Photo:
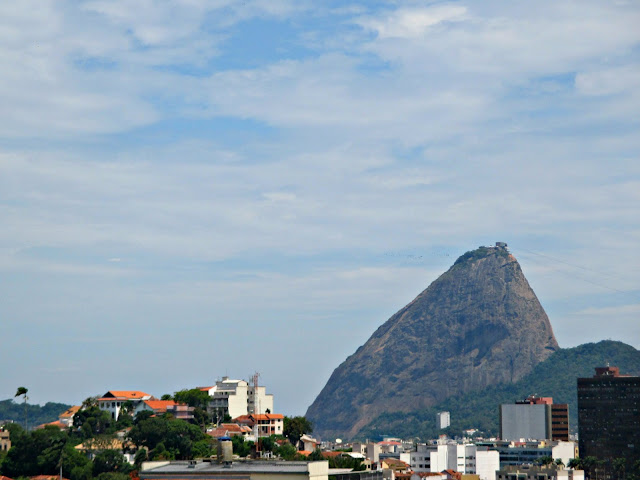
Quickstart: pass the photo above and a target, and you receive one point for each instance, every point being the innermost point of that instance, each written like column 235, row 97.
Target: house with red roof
column 114, row 400
column 66, row 417
column 230, row 430
column 267, row 424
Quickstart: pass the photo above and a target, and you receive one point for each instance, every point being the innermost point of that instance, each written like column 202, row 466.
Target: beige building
column 5, row 440
column 246, row 470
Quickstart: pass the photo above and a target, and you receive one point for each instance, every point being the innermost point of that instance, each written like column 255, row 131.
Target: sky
column 191, row 189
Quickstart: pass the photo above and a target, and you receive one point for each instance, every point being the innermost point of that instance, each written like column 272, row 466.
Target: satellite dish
column 338, row 440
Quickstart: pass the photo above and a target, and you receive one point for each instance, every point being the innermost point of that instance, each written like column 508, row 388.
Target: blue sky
column 191, row 189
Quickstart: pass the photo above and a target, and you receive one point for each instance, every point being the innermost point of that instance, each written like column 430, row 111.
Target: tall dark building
column 609, row 415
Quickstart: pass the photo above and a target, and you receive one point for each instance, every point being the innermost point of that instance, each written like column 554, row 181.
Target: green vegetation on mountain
column 555, row 377
column 36, row 414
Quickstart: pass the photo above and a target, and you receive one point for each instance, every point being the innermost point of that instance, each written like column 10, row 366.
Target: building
column 5, row 440
column 609, row 415
column 249, row 470
column 536, row 418
column 230, row 430
column 533, row 472
column 443, row 420
column 66, row 417
column 156, row 406
column 265, row 424
column 114, row 400
column 238, row 397
column 518, row 453
column 462, row 458
column 94, row 446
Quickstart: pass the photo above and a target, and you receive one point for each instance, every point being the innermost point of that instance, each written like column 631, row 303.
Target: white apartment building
column 237, row 398
column 443, row 420
column 463, row 458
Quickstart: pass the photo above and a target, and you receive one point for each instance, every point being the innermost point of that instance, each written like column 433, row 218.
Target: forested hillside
column 555, row 377
column 36, row 414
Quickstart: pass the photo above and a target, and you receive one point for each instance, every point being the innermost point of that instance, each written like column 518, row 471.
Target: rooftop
column 249, row 467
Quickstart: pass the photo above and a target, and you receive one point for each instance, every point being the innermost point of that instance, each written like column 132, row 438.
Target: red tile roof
column 124, row 394
column 268, row 416
column 331, row 454
column 70, row 412
column 47, row 477
column 57, row 423
column 159, row 406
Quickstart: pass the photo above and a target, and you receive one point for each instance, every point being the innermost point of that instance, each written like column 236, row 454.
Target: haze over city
column 193, row 189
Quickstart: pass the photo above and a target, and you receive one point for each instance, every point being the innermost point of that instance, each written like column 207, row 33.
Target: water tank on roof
column 225, row 450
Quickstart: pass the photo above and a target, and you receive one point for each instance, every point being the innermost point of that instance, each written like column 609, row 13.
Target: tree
column 240, row 447
column 193, row 397
column 619, row 467
column 165, row 437
column 545, row 460
column 287, row 451
column 575, row 463
column 316, row 455
column 23, row 391
column 110, row 461
column 295, row 427
column 93, row 421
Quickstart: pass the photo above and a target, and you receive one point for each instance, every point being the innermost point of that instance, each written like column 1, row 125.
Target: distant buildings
column 443, row 420
column 609, row 415
column 536, row 418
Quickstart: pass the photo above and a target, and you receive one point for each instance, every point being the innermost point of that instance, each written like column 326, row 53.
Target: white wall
column 487, row 462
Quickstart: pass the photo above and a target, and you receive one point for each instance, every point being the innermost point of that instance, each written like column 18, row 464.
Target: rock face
column 478, row 324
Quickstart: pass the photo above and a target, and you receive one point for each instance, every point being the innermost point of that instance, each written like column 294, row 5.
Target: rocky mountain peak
column 478, row 324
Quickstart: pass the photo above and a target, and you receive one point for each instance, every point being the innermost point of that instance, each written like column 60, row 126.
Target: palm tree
column 23, row 391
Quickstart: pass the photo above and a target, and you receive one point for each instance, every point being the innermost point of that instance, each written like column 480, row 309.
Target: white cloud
column 412, row 22
column 609, row 82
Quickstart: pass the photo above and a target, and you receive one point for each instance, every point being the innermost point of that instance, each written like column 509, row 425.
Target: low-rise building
column 66, row 417
column 534, row 472
column 518, row 453
column 114, row 400
column 5, row 440
column 462, row 458
column 249, row 470
column 230, row 430
column 264, row 425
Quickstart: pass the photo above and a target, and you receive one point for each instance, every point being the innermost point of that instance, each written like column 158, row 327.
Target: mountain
column 478, row 324
column 555, row 377
column 36, row 414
